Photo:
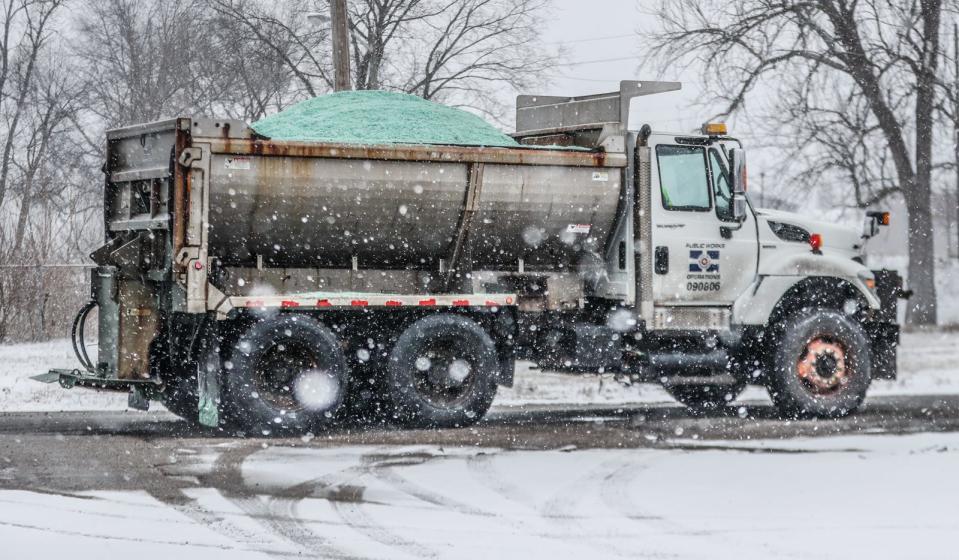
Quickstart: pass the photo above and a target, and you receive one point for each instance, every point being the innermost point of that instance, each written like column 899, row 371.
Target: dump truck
column 282, row 286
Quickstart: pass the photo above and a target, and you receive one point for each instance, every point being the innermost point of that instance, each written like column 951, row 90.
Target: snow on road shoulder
column 928, row 364
column 20, row 393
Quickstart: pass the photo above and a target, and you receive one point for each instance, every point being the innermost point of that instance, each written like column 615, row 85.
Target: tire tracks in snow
column 563, row 506
column 560, row 510
column 386, row 469
column 226, row 478
column 344, row 491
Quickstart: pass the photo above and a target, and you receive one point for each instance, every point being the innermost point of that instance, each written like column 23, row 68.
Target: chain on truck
column 273, row 285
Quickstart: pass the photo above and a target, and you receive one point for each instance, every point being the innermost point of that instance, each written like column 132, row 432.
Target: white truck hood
column 834, row 236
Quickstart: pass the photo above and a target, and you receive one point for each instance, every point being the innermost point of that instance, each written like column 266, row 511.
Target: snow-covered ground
column 858, row 496
column 928, row 364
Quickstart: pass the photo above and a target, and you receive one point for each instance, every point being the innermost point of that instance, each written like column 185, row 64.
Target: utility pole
column 341, row 45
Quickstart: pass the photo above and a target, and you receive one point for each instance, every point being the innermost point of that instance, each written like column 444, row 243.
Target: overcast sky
column 603, row 48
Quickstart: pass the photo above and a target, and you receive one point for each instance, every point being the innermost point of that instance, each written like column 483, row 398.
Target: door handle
column 661, row 260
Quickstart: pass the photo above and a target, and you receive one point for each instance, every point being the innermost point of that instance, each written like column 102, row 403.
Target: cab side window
column 682, row 178
column 721, row 190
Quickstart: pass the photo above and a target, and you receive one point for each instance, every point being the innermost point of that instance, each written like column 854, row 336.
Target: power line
column 575, row 79
column 592, row 39
column 597, row 61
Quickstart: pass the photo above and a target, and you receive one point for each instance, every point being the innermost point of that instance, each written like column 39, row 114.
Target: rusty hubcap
column 822, row 366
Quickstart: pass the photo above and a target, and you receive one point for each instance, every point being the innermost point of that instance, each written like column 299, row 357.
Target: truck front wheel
column 285, row 374
column 442, row 372
column 820, row 365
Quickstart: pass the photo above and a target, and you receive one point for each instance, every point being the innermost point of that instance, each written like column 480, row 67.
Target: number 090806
column 702, row 286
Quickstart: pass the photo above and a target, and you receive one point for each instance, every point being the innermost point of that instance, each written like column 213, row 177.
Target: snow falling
column 444, row 279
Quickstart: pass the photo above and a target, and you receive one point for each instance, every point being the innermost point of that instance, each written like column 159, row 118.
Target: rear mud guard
column 208, row 367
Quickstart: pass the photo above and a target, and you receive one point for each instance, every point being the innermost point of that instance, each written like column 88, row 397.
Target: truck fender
column 821, row 265
column 758, row 302
column 755, row 305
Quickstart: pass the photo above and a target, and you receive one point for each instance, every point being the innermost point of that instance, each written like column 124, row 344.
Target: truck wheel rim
column 277, row 370
column 441, row 375
column 822, row 366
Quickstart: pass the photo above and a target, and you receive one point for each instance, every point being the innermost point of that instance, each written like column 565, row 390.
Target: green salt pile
column 379, row 117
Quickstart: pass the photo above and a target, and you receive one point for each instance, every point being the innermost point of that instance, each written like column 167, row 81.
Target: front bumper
column 883, row 329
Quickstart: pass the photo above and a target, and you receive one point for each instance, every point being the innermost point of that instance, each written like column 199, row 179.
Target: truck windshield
column 682, row 178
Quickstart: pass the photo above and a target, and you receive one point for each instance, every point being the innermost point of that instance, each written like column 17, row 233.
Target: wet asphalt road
column 83, row 451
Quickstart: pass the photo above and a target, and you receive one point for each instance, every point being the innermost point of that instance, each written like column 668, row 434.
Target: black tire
column 705, row 398
column 820, row 365
column 442, row 373
column 284, row 374
column 180, row 397
column 179, row 392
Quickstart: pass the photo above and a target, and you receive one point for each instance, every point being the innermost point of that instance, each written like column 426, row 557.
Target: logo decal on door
column 703, row 261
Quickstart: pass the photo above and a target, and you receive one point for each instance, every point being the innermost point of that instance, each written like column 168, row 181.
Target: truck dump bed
column 299, row 204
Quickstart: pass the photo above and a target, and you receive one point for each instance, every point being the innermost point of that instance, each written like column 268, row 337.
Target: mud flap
column 208, row 382
column 209, row 392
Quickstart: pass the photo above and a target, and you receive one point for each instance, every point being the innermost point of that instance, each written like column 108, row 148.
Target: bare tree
column 256, row 80
column 145, row 60
column 881, row 49
column 949, row 107
column 287, row 35
column 54, row 103
column 836, row 142
column 456, row 51
column 26, row 29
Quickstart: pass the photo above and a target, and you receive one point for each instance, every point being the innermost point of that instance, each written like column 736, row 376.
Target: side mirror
column 869, row 227
column 739, row 206
column 737, row 162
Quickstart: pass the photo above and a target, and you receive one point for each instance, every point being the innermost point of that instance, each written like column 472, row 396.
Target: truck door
column 701, row 255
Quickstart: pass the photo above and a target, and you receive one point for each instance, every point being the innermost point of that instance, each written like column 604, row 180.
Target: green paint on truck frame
column 379, row 117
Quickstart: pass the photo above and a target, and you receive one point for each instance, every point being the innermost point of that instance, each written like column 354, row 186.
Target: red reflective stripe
column 359, row 303
column 431, row 301
column 254, row 303
column 393, row 303
column 323, row 303
column 289, row 303
column 491, row 304
column 461, row 302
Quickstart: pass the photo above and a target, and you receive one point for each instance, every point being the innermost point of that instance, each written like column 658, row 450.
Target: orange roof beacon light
column 715, row 129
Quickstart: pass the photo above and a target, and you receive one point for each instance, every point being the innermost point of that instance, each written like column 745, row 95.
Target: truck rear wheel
column 442, row 373
column 285, row 374
column 820, row 365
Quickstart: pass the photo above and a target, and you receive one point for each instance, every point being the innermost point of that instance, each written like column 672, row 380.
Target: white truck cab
column 708, row 254
column 792, row 288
